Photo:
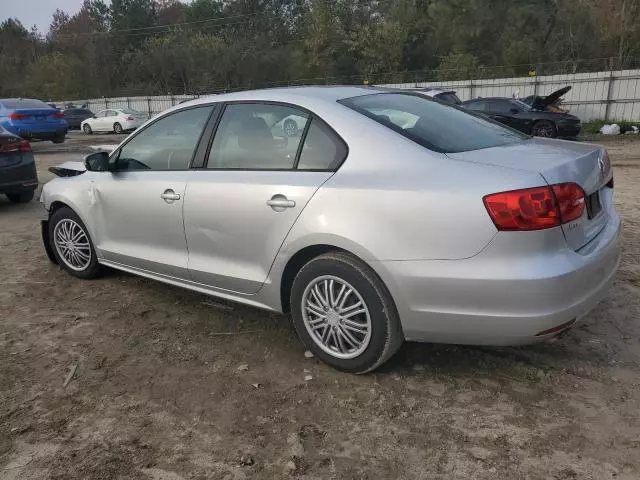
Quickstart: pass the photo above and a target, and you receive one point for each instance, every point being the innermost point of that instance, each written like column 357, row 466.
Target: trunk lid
column 31, row 115
column 557, row 162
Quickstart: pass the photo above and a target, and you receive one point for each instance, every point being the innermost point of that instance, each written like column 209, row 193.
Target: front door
column 139, row 204
column 257, row 181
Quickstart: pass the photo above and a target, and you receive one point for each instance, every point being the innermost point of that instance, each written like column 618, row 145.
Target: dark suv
column 18, row 178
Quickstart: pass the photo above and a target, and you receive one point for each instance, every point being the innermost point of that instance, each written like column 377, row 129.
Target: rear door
column 256, row 182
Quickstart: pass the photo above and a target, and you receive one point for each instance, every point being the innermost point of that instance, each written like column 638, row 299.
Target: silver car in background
column 391, row 217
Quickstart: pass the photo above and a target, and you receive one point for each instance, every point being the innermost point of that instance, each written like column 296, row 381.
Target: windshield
column 436, row 126
column 520, row 104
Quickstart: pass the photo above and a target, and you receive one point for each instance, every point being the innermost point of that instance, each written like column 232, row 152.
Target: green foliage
column 168, row 46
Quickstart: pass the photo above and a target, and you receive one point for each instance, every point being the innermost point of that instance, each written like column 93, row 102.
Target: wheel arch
column 308, row 252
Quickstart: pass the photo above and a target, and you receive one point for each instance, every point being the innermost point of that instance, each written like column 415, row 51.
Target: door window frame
column 303, row 136
column 115, row 155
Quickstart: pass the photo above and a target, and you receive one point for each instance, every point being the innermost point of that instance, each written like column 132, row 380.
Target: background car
column 33, row 119
column 443, row 227
column 116, row 120
column 520, row 116
column 440, row 93
column 18, row 178
column 75, row 116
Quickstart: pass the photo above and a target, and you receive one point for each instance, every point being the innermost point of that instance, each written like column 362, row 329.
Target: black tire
column 59, row 139
column 290, row 128
column 86, row 128
column 545, row 129
column 22, row 197
column 93, row 269
column 386, row 331
column 117, row 128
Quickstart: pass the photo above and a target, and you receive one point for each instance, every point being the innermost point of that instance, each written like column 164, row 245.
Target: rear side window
column 322, row 150
column 253, row 136
column 479, row 106
column 436, row 126
column 16, row 103
column 449, row 97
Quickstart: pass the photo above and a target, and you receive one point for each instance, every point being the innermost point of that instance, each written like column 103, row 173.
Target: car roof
column 488, row 98
column 331, row 93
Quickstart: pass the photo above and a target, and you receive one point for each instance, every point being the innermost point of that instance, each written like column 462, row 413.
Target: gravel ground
column 173, row 385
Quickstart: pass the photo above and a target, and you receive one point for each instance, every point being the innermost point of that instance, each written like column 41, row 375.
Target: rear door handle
column 280, row 203
column 170, row 196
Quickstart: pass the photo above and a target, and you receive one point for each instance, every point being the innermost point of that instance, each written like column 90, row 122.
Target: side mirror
column 514, row 110
column 93, row 116
column 97, row 162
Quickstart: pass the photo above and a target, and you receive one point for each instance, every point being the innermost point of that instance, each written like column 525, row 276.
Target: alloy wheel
column 336, row 317
column 72, row 244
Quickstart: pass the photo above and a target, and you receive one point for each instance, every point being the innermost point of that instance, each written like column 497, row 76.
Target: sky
column 37, row 12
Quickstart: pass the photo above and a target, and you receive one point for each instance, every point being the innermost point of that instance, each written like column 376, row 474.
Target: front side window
column 167, row 144
column 501, row 106
column 436, row 126
column 251, row 137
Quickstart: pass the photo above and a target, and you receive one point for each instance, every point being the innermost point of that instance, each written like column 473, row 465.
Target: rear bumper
column 500, row 297
column 19, row 178
column 29, row 133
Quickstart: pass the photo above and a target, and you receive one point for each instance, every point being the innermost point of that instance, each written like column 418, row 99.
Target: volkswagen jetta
column 391, row 217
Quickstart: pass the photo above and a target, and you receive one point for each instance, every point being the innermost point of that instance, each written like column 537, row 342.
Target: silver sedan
column 390, row 217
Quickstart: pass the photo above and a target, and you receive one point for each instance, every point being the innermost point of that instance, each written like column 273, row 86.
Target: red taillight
column 58, row 115
column 21, row 146
column 17, row 116
column 130, row 119
column 535, row 208
column 570, row 198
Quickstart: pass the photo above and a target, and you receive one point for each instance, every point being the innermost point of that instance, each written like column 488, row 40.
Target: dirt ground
column 159, row 392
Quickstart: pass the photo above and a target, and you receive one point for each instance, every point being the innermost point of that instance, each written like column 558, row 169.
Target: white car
column 116, row 120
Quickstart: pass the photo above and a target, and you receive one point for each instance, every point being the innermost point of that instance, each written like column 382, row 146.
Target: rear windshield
column 436, row 126
column 15, row 103
column 129, row 111
column 449, row 97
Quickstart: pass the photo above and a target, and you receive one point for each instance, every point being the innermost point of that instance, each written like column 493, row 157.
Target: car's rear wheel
column 117, row 128
column 72, row 245
column 290, row 128
column 59, row 139
column 22, row 197
column 544, row 128
column 86, row 128
column 344, row 314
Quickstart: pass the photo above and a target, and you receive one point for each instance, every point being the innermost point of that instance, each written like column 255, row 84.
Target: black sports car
column 18, row 179
column 522, row 116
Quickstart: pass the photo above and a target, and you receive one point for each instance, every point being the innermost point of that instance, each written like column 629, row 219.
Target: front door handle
column 280, row 203
column 170, row 196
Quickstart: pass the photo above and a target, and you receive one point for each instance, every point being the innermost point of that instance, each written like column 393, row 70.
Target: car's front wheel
column 86, row 128
column 544, row 128
column 344, row 314
column 72, row 245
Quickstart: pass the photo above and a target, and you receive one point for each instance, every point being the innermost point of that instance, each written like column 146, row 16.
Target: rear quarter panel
column 395, row 200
